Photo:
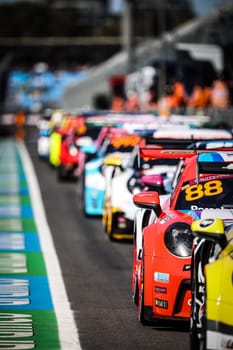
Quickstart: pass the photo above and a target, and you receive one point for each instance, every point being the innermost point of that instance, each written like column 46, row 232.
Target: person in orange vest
column 118, row 103
column 220, row 94
column 166, row 103
column 19, row 118
column 180, row 96
column 197, row 98
column 207, row 95
column 117, row 83
column 132, row 102
column 19, row 122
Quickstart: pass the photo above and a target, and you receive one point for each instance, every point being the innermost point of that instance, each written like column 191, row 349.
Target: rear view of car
column 161, row 275
column 95, row 171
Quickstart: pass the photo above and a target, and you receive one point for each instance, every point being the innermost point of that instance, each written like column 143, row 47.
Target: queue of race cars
column 167, row 185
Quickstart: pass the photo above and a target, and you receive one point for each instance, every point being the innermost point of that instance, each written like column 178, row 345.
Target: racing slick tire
column 141, row 317
column 197, row 336
column 142, row 312
column 82, row 195
column 61, row 173
column 110, row 227
column 135, row 295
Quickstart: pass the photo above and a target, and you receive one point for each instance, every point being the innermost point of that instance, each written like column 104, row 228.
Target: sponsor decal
column 161, row 277
column 161, row 290
column 163, row 304
column 195, row 207
column 197, row 191
column 167, row 218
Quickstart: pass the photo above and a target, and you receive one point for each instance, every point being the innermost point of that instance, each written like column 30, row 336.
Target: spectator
column 132, row 102
column 197, row 98
column 180, row 96
column 118, row 103
column 207, row 96
column 152, row 97
column 19, row 122
column 219, row 94
column 166, row 102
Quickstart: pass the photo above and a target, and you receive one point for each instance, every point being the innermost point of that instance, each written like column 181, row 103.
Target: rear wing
column 192, row 133
column 218, row 161
column 154, row 151
column 189, row 143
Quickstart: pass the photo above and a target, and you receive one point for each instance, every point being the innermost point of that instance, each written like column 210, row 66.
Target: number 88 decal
column 210, row 188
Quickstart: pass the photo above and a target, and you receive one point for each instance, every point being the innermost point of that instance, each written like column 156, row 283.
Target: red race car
column 161, row 284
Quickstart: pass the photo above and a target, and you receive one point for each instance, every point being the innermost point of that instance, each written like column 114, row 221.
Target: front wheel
column 141, row 315
column 198, row 306
column 198, row 336
column 141, row 306
column 82, row 195
column 110, row 225
column 135, row 292
column 61, row 173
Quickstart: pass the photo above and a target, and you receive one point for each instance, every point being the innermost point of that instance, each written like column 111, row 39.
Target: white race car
column 119, row 209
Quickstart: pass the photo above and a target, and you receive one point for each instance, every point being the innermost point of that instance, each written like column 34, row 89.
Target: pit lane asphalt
column 96, row 272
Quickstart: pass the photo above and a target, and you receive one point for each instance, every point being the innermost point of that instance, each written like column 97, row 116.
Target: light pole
column 162, row 56
column 128, row 33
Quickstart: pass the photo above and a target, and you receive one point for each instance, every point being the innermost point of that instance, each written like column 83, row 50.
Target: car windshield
column 212, row 191
column 146, row 163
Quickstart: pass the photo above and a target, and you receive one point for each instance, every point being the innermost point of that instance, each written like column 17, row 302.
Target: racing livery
column 119, row 210
column 212, row 284
column 117, row 141
column 161, row 282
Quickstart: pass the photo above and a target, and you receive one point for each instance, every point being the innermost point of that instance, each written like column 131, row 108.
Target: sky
column 201, row 7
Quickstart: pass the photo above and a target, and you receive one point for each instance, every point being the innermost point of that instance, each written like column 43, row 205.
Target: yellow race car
column 212, row 284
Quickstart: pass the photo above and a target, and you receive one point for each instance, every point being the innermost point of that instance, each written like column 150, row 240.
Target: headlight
column 178, row 239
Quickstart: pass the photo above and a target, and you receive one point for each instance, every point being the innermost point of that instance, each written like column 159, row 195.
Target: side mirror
column 210, row 229
column 148, row 200
column 154, row 182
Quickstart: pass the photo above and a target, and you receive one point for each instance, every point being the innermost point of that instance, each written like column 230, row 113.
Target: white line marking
column 68, row 332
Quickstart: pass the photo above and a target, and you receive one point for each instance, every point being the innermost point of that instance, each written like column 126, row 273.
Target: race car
column 71, row 157
column 44, row 132
column 119, row 210
column 211, row 325
column 67, row 124
column 77, row 140
column 50, row 120
column 93, row 180
column 161, row 281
